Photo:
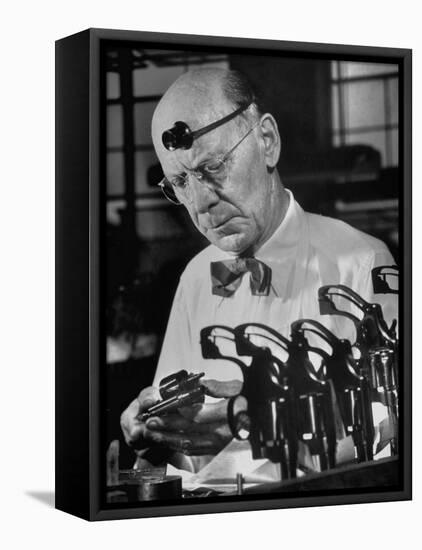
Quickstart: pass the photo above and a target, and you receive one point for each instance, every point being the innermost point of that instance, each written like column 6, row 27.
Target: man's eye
column 213, row 167
column 178, row 181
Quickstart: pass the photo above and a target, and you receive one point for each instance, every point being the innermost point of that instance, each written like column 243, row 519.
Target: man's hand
column 136, row 433
column 201, row 429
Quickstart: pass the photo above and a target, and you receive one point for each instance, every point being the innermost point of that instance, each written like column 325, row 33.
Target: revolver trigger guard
column 233, row 419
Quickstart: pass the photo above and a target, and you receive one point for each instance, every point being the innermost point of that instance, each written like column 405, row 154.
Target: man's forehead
column 197, row 98
column 195, row 108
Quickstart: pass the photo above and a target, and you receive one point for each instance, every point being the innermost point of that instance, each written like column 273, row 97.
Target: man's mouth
column 220, row 224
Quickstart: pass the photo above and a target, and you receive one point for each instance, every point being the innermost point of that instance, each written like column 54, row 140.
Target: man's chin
column 233, row 244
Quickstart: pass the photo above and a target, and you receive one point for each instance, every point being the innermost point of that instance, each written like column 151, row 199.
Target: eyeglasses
column 213, row 171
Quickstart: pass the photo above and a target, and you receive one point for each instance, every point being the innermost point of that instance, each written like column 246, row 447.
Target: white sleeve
column 176, row 350
column 176, row 355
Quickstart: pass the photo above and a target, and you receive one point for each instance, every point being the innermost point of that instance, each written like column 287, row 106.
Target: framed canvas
column 233, row 218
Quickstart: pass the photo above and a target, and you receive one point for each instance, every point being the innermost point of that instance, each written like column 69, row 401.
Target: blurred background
column 338, row 122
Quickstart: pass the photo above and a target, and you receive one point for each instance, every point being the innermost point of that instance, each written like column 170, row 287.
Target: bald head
column 198, row 98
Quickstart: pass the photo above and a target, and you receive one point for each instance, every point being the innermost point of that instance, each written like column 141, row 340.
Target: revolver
column 351, row 388
column 180, row 389
column 268, row 422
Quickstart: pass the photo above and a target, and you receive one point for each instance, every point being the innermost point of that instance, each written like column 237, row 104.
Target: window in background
column 365, row 107
column 135, row 82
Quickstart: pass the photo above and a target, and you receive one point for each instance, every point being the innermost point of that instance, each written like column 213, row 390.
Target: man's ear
column 272, row 141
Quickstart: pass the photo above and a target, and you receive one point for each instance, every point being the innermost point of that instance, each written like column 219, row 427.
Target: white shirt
column 304, row 253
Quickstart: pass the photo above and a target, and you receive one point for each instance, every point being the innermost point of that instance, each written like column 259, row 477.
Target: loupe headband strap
column 183, row 137
column 198, row 133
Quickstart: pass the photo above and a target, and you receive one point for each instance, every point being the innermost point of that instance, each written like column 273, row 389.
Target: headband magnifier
column 180, row 136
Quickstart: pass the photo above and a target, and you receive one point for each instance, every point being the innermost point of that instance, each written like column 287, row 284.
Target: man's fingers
column 132, row 428
column 215, row 388
column 213, row 412
column 173, row 441
column 198, row 429
column 177, row 423
column 148, row 397
column 170, row 422
column 207, row 412
column 191, row 443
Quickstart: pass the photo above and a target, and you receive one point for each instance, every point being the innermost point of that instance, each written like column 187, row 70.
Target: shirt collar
column 280, row 250
column 285, row 237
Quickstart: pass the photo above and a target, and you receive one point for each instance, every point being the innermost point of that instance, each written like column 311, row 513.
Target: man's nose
column 202, row 194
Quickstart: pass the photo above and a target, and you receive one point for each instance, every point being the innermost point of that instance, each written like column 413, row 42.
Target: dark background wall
column 297, row 93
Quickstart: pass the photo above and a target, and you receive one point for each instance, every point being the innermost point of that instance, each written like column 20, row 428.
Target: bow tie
column 227, row 275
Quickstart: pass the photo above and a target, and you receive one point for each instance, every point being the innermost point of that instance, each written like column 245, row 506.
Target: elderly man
column 219, row 151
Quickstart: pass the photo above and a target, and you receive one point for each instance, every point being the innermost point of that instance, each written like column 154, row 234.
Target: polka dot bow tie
column 227, row 275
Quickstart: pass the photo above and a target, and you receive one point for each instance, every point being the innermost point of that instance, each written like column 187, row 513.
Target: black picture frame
column 79, row 265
